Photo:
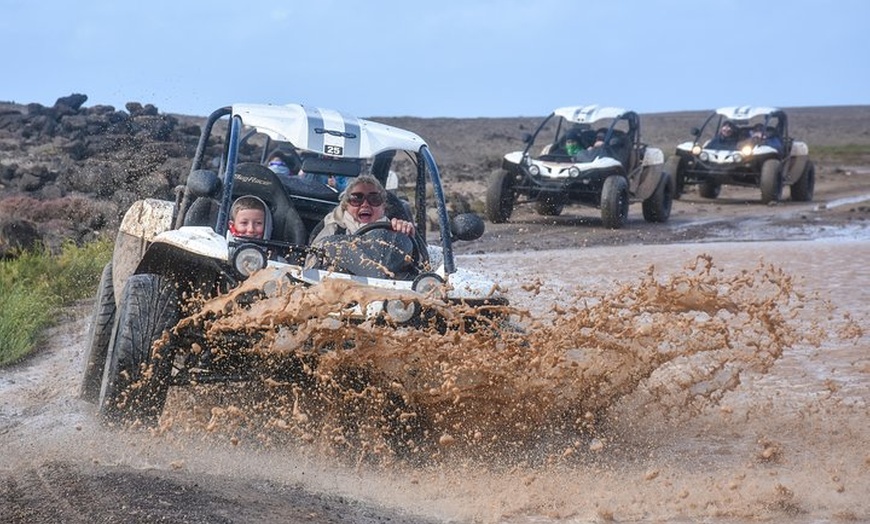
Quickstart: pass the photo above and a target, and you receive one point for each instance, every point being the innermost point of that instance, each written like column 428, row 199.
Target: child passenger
column 249, row 217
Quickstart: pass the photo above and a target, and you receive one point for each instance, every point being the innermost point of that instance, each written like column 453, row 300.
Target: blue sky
column 441, row 58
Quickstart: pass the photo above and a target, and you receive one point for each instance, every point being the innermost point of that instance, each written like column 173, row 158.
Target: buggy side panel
column 143, row 221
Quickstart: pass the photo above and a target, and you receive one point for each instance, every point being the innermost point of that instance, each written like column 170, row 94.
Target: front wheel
column 802, row 190
column 657, row 208
column 99, row 336
column 614, row 202
column 500, row 197
column 135, row 381
column 771, row 181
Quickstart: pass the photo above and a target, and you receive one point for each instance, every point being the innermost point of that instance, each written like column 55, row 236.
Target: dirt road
column 60, row 465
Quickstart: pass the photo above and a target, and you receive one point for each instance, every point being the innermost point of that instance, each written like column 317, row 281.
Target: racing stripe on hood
column 742, row 111
column 333, row 133
column 315, row 121
column 352, row 130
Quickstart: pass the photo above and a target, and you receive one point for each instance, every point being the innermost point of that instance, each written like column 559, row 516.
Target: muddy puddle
column 723, row 382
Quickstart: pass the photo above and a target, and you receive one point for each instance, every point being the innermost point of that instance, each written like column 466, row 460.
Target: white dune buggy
column 590, row 155
column 759, row 153
column 171, row 256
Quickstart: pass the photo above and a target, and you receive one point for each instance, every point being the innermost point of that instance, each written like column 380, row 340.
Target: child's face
column 249, row 223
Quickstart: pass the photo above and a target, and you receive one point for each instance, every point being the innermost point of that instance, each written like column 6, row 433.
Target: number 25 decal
column 333, row 150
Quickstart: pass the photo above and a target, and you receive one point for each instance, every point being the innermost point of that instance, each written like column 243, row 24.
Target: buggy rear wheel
column 709, row 189
column 802, row 190
column 771, row 181
column 657, row 208
column 500, row 197
column 614, row 202
column 550, row 205
column 673, row 168
column 135, row 382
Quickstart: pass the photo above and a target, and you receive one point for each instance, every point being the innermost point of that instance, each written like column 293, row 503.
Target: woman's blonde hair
column 362, row 179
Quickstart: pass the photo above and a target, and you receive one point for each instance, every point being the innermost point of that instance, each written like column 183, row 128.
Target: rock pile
column 68, row 172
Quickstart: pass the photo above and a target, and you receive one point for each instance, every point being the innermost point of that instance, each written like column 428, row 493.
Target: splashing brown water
column 534, row 395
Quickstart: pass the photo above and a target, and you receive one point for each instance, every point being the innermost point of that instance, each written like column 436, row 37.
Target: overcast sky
column 462, row 58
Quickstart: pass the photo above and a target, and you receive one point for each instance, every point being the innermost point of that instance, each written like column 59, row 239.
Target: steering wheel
column 372, row 226
column 421, row 253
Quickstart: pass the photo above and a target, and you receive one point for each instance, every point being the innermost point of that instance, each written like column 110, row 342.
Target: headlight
column 430, row 285
column 696, row 150
column 746, row 150
column 400, row 312
column 573, row 171
column 247, row 259
column 534, row 170
column 704, row 156
column 737, row 158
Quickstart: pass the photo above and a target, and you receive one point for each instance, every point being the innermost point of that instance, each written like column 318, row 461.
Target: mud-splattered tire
column 135, row 383
column 672, row 167
column 500, row 197
column 99, row 336
column 771, row 181
column 802, row 190
column 657, row 208
column 709, row 189
column 614, row 202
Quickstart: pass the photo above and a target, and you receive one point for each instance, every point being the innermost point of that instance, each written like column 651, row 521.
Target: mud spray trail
column 668, row 383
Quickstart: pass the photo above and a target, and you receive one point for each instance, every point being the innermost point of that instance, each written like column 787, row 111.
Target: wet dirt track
column 788, row 444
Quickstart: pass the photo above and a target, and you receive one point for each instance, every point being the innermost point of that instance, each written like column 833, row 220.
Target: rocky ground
column 68, row 172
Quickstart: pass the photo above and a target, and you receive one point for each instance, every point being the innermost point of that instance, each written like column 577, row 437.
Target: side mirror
column 527, row 138
column 467, row 226
column 203, row 183
column 695, row 132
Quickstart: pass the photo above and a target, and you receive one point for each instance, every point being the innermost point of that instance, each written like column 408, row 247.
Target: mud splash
column 539, row 394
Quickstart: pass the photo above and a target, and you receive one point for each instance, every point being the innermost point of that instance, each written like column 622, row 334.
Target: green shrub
column 35, row 286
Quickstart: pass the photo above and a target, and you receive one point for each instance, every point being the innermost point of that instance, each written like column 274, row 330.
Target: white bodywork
column 588, row 114
column 147, row 218
column 203, row 241
column 745, row 112
column 326, row 130
column 729, row 156
column 653, row 157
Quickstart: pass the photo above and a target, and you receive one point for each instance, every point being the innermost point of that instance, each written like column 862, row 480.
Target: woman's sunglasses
column 357, row 199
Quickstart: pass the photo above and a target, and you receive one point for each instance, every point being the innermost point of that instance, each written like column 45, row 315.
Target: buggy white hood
column 325, row 130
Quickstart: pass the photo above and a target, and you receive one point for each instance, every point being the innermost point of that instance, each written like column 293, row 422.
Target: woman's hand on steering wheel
column 395, row 224
column 403, row 226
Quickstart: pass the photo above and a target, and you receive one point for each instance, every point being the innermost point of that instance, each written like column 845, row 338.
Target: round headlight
column 704, row 156
column 247, row 259
column 746, row 150
column 737, row 157
column 573, row 171
column 400, row 311
column 696, row 150
column 429, row 284
column 534, row 170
